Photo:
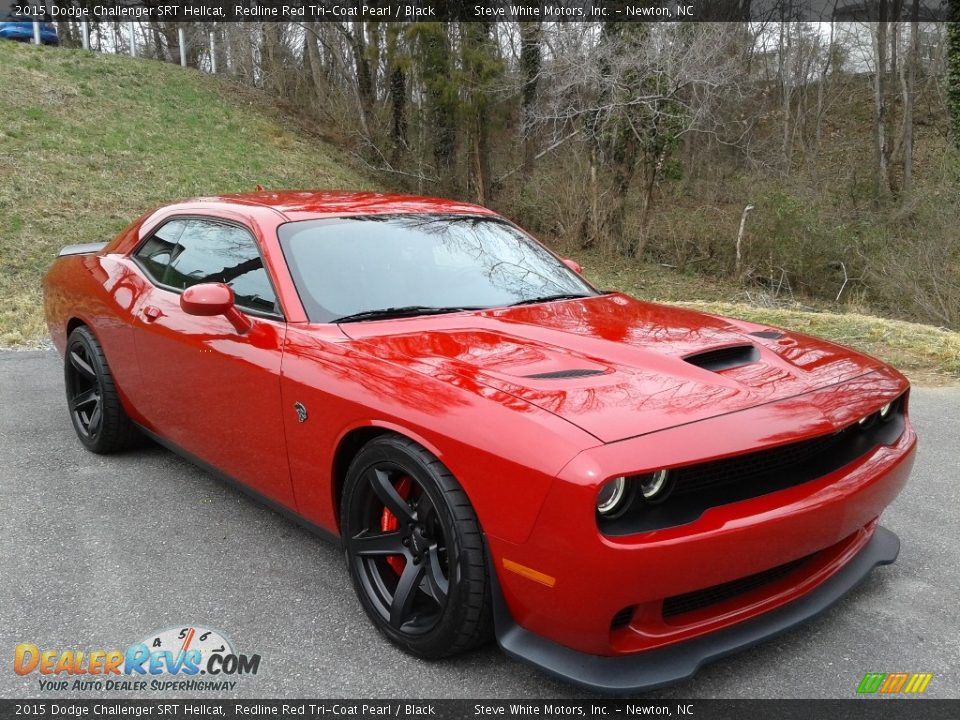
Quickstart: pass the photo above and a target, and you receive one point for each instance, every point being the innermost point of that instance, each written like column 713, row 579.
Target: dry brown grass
column 927, row 354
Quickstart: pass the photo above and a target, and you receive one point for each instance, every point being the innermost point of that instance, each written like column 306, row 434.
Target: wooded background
column 797, row 160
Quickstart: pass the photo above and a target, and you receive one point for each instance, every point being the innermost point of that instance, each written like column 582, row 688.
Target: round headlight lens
column 886, row 412
column 611, row 496
column 655, row 486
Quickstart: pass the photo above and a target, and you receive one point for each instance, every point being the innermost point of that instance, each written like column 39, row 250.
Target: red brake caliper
column 389, row 523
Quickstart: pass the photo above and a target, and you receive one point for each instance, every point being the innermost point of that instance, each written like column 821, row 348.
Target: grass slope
column 88, row 142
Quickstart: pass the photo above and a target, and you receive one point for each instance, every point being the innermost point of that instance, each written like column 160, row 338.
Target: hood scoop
column 563, row 374
column 724, row 358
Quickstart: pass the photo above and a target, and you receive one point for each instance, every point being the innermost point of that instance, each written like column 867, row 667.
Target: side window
column 218, row 252
column 156, row 252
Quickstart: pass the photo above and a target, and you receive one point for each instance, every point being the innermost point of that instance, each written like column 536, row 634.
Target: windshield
column 354, row 265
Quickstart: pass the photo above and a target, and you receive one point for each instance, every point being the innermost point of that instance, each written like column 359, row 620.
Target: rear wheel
column 415, row 551
column 98, row 417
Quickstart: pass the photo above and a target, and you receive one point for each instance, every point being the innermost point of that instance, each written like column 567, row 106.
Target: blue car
column 23, row 31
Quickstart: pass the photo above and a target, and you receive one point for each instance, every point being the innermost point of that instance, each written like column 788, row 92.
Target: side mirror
column 209, row 299
column 573, row 265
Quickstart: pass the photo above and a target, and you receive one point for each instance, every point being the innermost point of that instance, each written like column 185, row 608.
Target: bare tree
column 909, row 100
column 881, row 109
column 633, row 93
column 786, row 89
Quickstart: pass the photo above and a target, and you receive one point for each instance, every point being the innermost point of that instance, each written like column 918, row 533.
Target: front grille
column 753, row 467
column 696, row 488
column 699, row 599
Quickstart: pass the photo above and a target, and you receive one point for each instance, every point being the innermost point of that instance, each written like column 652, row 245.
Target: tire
column 98, row 417
column 415, row 550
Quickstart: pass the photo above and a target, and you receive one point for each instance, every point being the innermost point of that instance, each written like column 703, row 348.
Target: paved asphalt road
column 98, row 552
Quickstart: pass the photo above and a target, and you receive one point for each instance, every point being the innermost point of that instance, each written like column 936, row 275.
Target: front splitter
column 630, row 674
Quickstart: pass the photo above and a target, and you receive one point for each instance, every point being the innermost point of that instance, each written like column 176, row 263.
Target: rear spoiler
column 84, row 249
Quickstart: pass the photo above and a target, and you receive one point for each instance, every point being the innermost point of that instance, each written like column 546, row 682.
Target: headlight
column 656, row 486
column 886, row 412
column 611, row 496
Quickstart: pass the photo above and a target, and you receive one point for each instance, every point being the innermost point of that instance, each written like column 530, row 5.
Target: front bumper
column 656, row 668
column 579, row 603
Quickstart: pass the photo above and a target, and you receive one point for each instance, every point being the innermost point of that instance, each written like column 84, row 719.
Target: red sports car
column 620, row 491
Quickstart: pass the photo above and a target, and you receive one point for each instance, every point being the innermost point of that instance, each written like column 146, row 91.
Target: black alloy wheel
column 84, row 393
column 414, row 549
column 98, row 417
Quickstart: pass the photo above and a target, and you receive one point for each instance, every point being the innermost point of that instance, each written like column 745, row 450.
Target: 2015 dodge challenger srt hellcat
column 619, row 491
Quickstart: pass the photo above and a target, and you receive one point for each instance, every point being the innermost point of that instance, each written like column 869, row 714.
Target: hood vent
column 768, row 334
column 724, row 358
column 562, row 374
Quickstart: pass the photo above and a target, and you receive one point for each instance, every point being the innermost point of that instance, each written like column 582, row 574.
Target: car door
column 208, row 388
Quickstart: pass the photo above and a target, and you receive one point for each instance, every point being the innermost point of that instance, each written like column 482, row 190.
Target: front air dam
column 629, row 674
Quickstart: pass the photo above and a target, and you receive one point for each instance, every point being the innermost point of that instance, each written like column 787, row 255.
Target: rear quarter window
column 191, row 251
column 155, row 254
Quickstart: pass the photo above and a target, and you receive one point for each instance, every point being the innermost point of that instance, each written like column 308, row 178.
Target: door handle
column 151, row 313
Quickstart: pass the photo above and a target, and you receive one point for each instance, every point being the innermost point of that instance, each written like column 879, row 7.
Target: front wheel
column 414, row 549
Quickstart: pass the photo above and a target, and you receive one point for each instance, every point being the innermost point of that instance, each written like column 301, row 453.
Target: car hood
column 614, row 366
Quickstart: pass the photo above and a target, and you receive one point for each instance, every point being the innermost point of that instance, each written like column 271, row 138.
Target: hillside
column 926, row 354
column 88, row 142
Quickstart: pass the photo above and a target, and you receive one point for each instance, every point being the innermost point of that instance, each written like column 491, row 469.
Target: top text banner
column 470, row 11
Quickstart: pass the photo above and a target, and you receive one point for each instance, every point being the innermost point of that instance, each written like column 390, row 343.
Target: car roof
column 314, row 204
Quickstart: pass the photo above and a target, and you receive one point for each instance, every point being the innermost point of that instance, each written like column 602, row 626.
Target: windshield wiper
column 550, row 298
column 400, row 312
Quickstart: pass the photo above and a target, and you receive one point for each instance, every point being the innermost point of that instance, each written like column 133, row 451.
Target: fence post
column 133, row 39
column 182, row 39
column 85, row 35
column 36, row 32
column 213, row 55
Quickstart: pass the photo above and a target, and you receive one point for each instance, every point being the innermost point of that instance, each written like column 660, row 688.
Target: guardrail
column 198, row 47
